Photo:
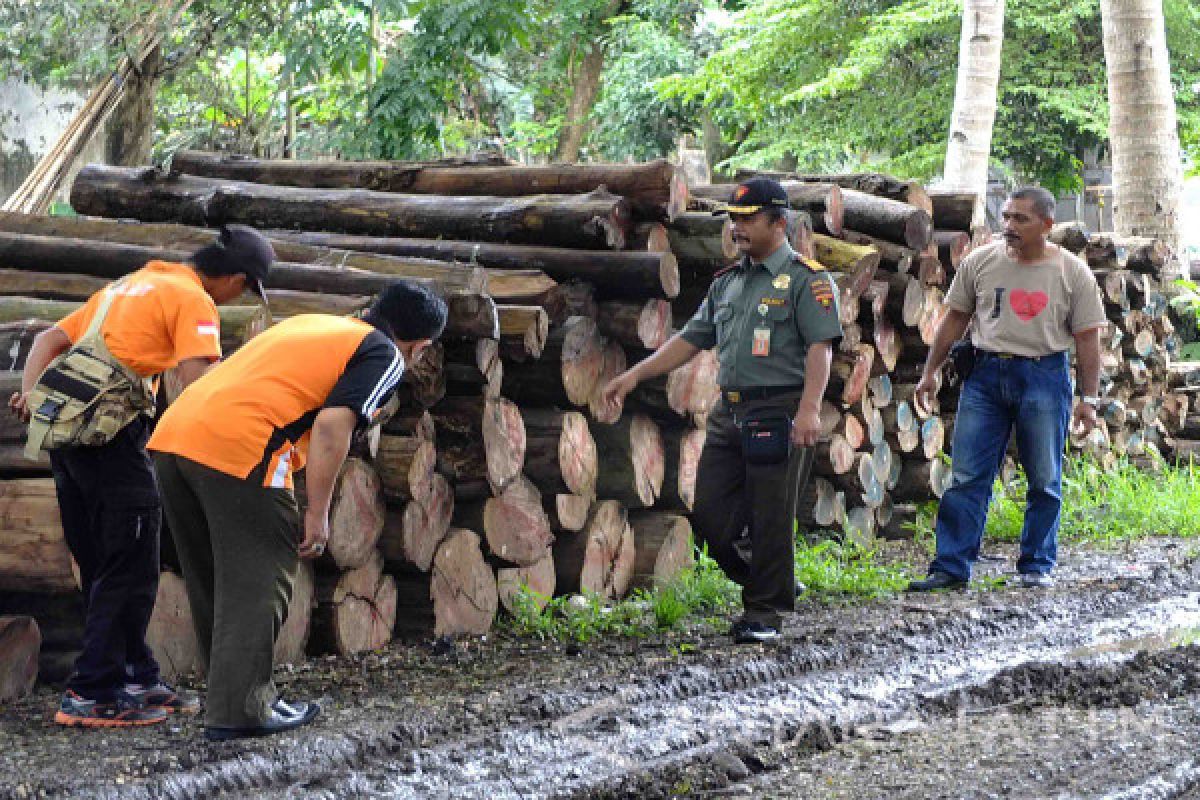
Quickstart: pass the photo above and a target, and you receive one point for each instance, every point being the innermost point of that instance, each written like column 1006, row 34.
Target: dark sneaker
column 937, row 580
column 79, row 712
column 277, row 722
column 160, row 695
column 747, row 631
column 1036, row 580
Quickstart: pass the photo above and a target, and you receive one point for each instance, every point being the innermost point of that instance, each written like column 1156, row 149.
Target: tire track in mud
column 613, row 736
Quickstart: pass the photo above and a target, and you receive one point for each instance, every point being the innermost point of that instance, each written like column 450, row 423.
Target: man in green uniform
column 773, row 317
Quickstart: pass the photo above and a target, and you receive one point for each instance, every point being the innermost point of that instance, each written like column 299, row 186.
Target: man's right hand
column 617, row 388
column 926, row 389
column 316, row 535
column 19, row 404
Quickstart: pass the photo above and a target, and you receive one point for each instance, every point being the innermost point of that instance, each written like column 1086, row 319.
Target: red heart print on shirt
column 1027, row 305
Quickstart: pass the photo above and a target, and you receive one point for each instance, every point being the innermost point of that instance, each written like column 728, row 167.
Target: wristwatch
column 1091, row 400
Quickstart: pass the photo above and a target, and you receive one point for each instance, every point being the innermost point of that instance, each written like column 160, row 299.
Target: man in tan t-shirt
column 1030, row 301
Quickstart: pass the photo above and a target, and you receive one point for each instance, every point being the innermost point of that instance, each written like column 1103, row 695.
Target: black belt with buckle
column 1015, row 357
column 760, row 393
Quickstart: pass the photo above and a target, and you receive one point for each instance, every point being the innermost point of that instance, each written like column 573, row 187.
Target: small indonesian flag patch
column 207, row 329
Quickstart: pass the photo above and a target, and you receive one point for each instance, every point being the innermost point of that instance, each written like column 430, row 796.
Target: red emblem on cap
column 740, row 192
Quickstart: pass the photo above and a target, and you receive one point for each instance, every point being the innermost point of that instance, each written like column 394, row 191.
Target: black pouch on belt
column 766, row 436
column 962, row 356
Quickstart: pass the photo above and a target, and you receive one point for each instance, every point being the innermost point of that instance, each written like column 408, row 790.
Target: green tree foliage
column 870, row 83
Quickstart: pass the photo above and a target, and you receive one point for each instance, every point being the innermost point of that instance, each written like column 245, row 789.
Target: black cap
column 238, row 249
column 755, row 195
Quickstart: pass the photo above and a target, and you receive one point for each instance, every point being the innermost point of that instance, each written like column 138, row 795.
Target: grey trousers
column 237, row 543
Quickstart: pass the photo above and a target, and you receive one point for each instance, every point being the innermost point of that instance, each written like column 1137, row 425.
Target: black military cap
column 755, row 195
column 238, row 249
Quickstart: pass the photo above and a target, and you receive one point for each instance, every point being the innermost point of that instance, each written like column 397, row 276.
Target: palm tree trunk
column 1147, row 165
column 969, row 150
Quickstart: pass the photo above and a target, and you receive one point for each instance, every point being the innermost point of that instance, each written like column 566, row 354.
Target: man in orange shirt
column 225, row 452
column 163, row 316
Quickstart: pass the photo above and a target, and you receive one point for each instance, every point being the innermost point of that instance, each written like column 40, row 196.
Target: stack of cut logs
column 498, row 468
column 1143, row 412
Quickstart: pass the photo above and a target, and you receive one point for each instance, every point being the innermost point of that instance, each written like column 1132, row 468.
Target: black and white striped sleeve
column 370, row 377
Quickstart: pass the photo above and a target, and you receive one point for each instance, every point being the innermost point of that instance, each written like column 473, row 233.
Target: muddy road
column 1089, row 689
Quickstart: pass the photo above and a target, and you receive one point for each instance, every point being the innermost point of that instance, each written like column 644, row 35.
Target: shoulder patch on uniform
column 812, row 263
column 822, row 291
column 726, row 270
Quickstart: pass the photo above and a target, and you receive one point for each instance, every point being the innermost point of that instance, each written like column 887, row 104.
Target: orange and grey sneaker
column 162, row 696
column 79, row 712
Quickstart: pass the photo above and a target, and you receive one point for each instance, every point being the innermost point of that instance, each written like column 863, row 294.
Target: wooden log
column 631, row 274
column 634, row 464
column 355, row 611
column 681, row 451
column 355, row 515
column 833, row 457
column 568, row 370
column 473, row 367
column 861, row 481
column 1139, row 254
column 599, row 559
column 920, row 478
column 640, row 325
column 569, row 300
column 952, row 247
column 495, row 425
column 20, row 643
column 16, row 338
column 887, row 219
column 560, row 452
column 842, row 256
column 822, row 201
column 425, row 523
column 849, row 374
column 523, row 331
column 955, row 210
column 1069, row 235
column 892, row 257
column 406, row 465
column 568, row 512
column 656, row 188
column 171, row 634
column 702, row 243
column 692, row 389
column 513, row 523
column 613, row 365
column 874, row 183
column 112, row 260
column 292, row 642
column 533, row 584
column 860, row 524
column 819, row 506
column 663, row 547
column 33, row 552
column 463, row 586
column 596, row 220
column 933, row 435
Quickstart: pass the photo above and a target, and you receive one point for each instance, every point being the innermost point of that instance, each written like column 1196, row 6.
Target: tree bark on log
column 473, row 367
column 560, row 452
column 841, row 256
column 873, row 183
column 523, row 331
column 887, row 219
column 918, row 479
column 634, row 464
column 514, row 523
column 595, row 221
column 1070, row 235
column 663, row 547
column 568, row 370
column 655, row 188
column 636, row 324
column 823, row 201
column 629, row 274
column 952, row 247
column 406, row 466
column 681, row 451
column 20, row 644
column 892, row 257
column 355, row 612
column 702, row 243
column 533, row 584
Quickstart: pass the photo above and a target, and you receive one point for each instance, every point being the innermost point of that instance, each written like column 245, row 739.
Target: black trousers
column 733, row 496
column 111, row 516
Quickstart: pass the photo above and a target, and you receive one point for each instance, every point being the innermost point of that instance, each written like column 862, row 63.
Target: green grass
column 837, row 569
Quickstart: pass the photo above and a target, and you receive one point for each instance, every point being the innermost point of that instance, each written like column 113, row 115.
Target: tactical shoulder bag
column 85, row 396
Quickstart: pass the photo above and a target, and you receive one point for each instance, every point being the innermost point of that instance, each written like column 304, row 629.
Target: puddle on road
column 1179, row 627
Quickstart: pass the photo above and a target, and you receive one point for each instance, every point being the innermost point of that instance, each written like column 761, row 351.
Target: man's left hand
column 1083, row 419
column 806, row 427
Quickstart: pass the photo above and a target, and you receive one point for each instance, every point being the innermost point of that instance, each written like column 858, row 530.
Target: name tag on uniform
column 762, row 342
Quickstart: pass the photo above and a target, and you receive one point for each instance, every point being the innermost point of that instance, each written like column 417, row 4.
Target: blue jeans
column 1033, row 398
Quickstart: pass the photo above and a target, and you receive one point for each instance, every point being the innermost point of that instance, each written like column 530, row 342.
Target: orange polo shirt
column 161, row 316
column 251, row 416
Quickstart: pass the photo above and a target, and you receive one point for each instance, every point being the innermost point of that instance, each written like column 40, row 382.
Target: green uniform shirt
column 782, row 303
